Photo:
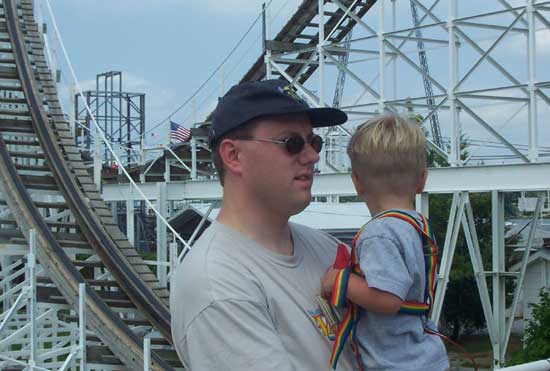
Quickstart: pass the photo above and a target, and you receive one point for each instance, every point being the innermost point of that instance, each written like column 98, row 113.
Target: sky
column 168, row 48
column 165, row 48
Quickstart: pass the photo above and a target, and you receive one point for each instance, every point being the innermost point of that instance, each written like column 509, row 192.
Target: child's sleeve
column 382, row 261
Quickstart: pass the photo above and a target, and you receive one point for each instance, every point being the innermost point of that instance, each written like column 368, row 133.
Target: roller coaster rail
column 58, row 168
column 48, row 189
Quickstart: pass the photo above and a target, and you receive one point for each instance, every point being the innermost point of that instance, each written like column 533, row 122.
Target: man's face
column 275, row 178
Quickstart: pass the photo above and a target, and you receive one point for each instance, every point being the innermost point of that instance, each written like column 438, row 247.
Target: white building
column 341, row 220
column 537, row 276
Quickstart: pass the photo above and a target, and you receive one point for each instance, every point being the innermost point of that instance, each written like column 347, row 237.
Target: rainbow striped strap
column 413, row 307
column 356, row 268
column 345, row 330
column 430, row 251
column 347, row 326
column 339, row 288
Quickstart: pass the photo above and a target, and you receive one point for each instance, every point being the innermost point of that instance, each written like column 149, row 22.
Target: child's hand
column 327, row 282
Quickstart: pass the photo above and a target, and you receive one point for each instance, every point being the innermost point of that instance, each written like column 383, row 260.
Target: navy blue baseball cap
column 250, row 100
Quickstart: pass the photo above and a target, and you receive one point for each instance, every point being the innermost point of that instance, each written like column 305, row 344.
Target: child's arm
column 360, row 293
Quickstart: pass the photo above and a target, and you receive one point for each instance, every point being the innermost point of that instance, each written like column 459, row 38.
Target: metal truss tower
column 434, row 119
column 121, row 115
column 471, row 73
column 335, row 141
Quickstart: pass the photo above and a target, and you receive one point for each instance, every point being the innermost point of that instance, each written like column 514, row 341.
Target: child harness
column 347, row 264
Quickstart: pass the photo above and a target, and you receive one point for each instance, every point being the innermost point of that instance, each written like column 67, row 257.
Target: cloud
column 277, row 11
column 216, row 7
column 230, row 6
column 543, row 42
column 518, row 43
column 110, row 6
column 510, row 121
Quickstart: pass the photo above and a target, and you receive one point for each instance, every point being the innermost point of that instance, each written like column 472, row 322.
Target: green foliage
column 537, row 333
column 510, row 205
column 344, row 199
column 462, row 307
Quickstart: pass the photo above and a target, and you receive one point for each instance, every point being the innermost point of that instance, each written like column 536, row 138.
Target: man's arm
column 359, row 292
column 233, row 335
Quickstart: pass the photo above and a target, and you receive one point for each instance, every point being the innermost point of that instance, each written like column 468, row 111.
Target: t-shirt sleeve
column 233, row 335
column 384, row 266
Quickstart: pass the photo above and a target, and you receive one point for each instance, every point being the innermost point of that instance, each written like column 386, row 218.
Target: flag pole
column 165, row 153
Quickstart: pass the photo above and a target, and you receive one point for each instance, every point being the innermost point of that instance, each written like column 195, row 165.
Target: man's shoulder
column 194, row 263
column 191, row 276
column 210, row 274
column 214, row 269
column 211, row 253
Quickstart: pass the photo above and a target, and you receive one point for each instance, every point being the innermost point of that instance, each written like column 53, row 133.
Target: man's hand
column 327, row 282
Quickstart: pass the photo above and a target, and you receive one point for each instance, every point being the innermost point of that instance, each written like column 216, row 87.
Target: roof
column 522, row 227
column 336, row 218
column 542, row 254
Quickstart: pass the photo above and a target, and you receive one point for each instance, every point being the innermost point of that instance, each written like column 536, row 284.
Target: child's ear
column 357, row 184
column 422, row 181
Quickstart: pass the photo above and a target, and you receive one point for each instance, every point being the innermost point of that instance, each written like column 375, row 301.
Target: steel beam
column 162, row 253
column 506, row 178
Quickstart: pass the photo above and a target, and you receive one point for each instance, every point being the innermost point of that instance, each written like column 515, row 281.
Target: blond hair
column 388, row 154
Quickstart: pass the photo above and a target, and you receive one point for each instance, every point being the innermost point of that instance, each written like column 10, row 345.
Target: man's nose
column 309, row 154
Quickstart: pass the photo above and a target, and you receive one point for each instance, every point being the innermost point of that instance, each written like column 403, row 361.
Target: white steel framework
column 32, row 335
column 478, row 73
column 459, row 181
column 471, row 71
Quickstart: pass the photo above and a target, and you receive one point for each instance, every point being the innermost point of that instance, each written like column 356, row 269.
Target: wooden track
column 47, row 188
column 41, row 157
column 301, row 33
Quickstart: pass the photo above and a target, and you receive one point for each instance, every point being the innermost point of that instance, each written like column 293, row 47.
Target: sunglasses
column 295, row 143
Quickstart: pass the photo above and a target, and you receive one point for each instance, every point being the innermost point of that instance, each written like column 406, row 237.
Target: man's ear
column 422, row 181
column 357, row 184
column 229, row 154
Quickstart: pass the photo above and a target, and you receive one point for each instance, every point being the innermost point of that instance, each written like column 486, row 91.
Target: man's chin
column 300, row 206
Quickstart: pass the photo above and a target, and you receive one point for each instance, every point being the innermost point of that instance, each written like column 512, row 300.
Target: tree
column 537, row 332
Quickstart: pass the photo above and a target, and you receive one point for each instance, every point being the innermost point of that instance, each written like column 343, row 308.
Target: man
column 245, row 297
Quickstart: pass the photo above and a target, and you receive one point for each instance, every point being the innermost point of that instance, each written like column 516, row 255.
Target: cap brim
column 326, row 116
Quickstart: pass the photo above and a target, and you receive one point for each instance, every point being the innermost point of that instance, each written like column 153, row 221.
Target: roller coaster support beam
column 542, row 365
column 506, row 178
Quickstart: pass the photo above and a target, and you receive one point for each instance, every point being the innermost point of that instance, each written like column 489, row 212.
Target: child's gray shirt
column 391, row 257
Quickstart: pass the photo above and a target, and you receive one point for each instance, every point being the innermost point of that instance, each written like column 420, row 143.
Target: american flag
column 179, row 133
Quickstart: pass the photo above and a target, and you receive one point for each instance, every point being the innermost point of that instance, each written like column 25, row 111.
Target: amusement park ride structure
column 314, row 47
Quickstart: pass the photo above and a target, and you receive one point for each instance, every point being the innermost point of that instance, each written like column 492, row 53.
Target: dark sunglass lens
column 295, row 144
column 317, row 143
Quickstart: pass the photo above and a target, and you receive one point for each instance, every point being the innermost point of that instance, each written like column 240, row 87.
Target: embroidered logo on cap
column 291, row 92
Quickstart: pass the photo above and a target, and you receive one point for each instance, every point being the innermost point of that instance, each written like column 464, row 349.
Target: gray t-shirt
column 391, row 257
column 238, row 306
